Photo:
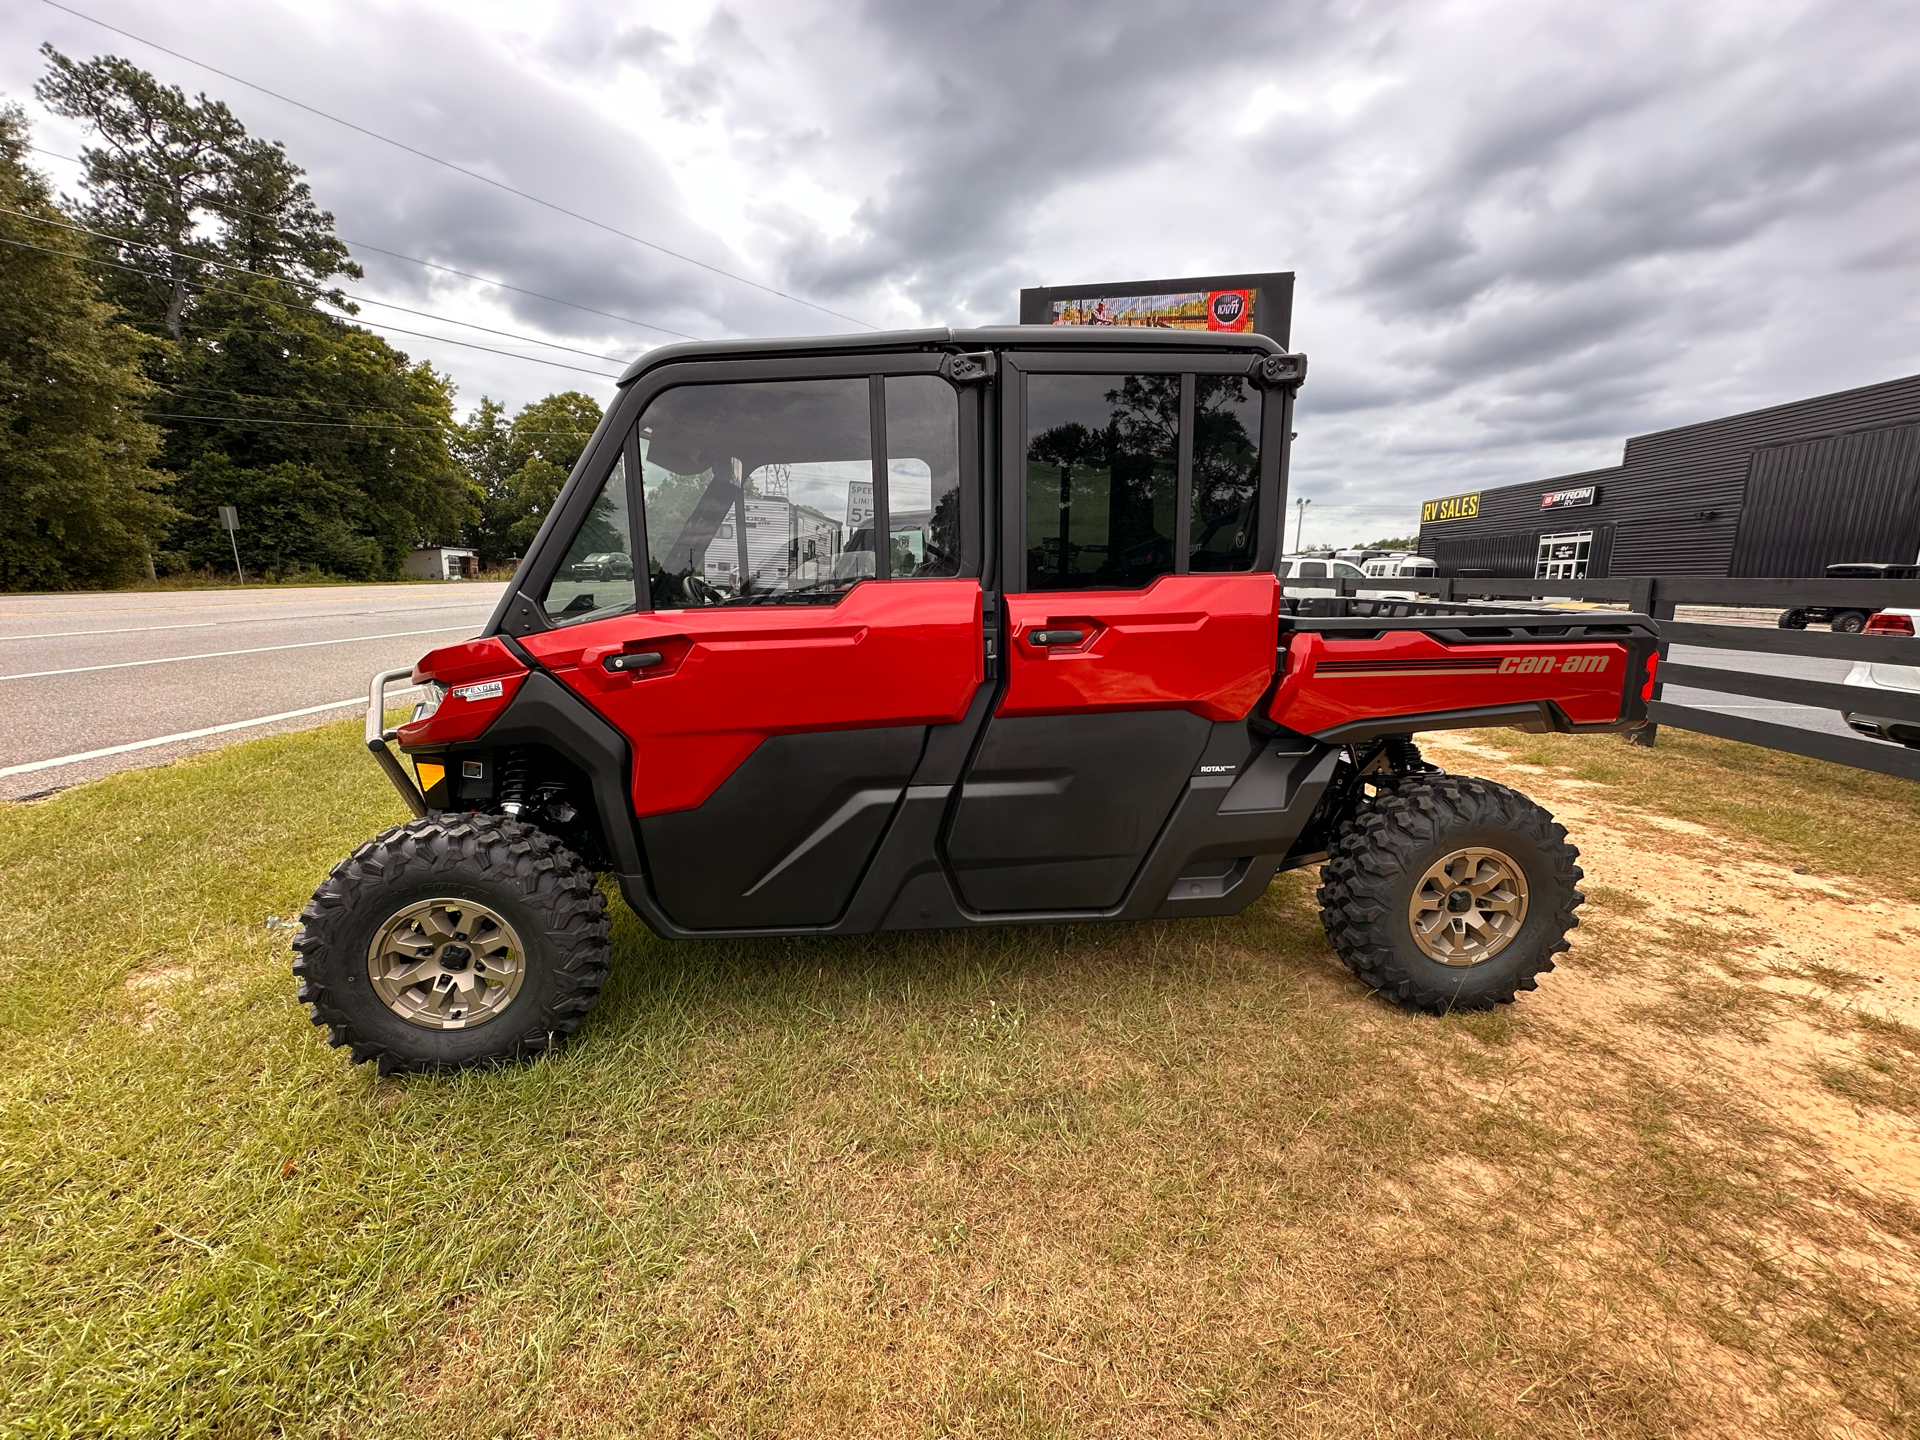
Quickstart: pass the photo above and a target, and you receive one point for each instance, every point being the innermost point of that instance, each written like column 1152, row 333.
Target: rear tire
column 1482, row 869
column 1793, row 620
column 508, row 929
column 1848, row 622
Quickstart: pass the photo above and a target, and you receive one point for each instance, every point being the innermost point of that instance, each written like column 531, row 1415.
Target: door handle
column 617, row 664
column 1056, row 637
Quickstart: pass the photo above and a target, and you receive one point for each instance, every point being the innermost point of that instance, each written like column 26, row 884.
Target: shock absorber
column 1404, row 756
column 513, row 782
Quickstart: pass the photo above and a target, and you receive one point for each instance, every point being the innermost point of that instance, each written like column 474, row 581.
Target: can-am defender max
column 941, row 628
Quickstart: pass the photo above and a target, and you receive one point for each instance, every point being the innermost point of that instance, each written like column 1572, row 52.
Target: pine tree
column 183, row 190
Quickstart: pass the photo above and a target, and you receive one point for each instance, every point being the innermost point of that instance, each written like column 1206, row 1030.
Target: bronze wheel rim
column 446, row 964
column 1468, row 906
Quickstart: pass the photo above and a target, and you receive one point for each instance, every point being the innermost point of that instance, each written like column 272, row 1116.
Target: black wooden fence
column 1658, row 596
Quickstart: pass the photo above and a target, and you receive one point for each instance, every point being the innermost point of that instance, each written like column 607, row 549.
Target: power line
column 284, row 405
column 255, row 274
column 342, row 424
column 370, row 324
column 435, row 265
column 312, row 424
column 461, row 169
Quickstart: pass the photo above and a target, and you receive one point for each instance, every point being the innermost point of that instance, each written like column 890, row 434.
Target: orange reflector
column 431, row 773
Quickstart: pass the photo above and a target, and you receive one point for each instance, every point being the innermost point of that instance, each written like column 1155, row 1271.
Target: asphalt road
column 84, row 673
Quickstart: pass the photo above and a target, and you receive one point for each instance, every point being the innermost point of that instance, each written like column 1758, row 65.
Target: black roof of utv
column 989, row 337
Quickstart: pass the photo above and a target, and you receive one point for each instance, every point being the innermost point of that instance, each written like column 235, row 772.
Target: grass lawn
column 1124, row 1180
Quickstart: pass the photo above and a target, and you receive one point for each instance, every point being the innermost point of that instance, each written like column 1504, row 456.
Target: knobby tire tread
column 547, row 877
column 1376, row 846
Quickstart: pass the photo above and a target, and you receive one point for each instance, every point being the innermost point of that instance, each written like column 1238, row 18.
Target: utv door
column 802, row 615
column 1136, row 550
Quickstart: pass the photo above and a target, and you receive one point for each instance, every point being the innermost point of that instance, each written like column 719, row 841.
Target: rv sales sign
column 1454, row 507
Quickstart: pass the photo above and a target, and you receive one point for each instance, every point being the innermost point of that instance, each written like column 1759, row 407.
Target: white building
column 442, row 562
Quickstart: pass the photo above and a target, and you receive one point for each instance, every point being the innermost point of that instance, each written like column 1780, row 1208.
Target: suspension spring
column 513, row 782
column 1403, row 755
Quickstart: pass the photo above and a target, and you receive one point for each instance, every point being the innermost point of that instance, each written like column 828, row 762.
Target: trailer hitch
column 378, row 736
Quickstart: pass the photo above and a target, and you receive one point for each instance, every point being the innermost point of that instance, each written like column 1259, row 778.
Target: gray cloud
column 1521, row 232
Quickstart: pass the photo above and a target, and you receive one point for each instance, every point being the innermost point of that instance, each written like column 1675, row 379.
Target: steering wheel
column 696, row 589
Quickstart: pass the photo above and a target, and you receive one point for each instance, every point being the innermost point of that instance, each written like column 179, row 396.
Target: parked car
column 1898, row 679
column 1308, row 577
column 1847, row 619
column 607, row 565
column 1396, row 567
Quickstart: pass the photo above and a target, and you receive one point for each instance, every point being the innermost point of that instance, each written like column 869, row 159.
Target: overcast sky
column 1522, row 231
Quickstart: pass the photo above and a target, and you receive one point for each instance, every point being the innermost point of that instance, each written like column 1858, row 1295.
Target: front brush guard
column 378, row 736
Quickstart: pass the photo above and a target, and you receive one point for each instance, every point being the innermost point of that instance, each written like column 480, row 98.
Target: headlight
column 433, row 692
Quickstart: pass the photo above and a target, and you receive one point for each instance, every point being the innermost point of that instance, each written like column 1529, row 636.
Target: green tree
column 184, row 190
column 333, row 445
column 1410, row 542
column 291, row 397
column 518, row 468
column 78, row 503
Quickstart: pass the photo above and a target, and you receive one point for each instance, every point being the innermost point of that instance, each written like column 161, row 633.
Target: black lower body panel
column 1058, row 810
column 786, row 837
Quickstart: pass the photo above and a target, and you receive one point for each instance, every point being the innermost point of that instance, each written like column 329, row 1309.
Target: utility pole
column 1299, row 521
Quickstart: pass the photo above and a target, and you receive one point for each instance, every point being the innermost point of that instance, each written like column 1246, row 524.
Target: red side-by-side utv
column 942, row 628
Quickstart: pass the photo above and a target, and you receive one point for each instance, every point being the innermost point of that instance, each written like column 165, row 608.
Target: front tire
column 453, row 941
column 1446, row 892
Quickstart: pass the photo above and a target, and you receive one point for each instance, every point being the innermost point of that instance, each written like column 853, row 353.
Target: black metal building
column 1783, row 491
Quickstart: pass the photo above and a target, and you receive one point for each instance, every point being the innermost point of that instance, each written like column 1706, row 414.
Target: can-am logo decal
column 1547, row 664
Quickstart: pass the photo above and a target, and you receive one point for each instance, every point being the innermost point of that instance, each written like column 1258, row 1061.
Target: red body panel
column 1203, row 643
column 463, row 716
column 1332, row 682
column 903, row 652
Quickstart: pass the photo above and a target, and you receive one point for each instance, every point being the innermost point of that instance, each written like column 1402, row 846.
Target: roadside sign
column 230, row 522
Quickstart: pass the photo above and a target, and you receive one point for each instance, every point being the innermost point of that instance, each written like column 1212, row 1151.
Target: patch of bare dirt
column 151, row 987
column 1784, row 964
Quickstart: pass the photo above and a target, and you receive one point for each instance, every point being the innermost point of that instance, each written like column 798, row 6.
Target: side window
column 1344, row 571
column 1313, row 570
column 923, row 476
column 758, row 493
column 1102, row 463
column 1226, row 473
column 596, row 577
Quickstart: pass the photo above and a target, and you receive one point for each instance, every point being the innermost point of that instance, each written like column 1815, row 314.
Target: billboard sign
column 1454, row 507
column 1185, row 310
column 1261, row 304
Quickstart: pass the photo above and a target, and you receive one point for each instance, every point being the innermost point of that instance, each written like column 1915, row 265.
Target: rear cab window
column 1103, row 482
